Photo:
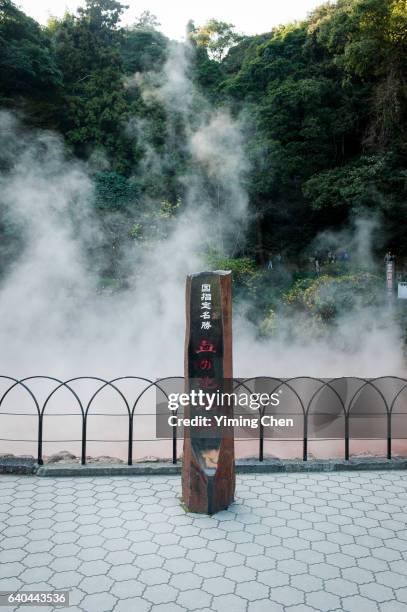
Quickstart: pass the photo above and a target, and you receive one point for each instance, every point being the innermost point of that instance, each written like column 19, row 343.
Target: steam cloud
column 53, row 320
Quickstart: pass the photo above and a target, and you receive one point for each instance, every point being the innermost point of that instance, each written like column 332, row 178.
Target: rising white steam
column 53, row 319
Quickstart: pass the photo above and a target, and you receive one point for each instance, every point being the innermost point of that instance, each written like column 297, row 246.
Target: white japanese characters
column 206, row 306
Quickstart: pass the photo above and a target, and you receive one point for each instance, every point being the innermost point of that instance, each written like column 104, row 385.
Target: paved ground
column 290, row 543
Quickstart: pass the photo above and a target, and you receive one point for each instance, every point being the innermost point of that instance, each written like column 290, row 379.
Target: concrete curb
column 319, row 465
column 17, row 465
column 243, row 466
column 108, row 469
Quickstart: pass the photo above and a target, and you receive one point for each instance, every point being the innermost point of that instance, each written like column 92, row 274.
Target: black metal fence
column 383, row 399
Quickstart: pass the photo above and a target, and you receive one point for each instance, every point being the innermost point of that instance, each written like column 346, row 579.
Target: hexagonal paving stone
column 154, row 576
column 286, row 595
column 193, row 542
column 36, row 574
column 186, row 581
column 218, row 586
column 252, row 590
column 64, row 580
column 200, row 555
column 178, row 566
column 264, row 605
column 377, row 592
column 229, row 602
column 194, row 599
column 356, row 603
column 96, row 584
column 372, row 564
column 392, row 606
column 306, row 583
column 14, row 542
column 279, row 552
column 40, row 546
column 162, row 593
column 240, row 573
column 341, row 587
column 250, row 549
column 63, row 564
column 91, row 554
column 126, row 589
column 292, row 567
column 116, row 544
column 10, row 584
column 323, row 601
column 324, row 570
column 148, row 561
column 10, row 570
column 172, row 551
column 119, row 557
column 230, row 559
column 94, row 568
column 143, row 547
column 261, row 563
column 12, row 555
column 99, row 602
column 221, row 546
column 66, row 550
column 35, row 559
column 273, row 578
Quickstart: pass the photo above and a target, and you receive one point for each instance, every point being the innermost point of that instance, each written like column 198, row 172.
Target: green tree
column 368, row 40
column 87, row 47
column 29, row 76
column 217, row 37
column 328, row 118
column 143, row 48
column 147, row 21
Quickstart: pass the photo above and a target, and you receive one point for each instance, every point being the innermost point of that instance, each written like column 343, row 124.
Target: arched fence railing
column 349, row 402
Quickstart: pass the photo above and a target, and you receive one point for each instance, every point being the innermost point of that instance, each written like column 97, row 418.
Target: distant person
column 317, row 263
column 389, row 257
column 270, row 264
column 331, row 257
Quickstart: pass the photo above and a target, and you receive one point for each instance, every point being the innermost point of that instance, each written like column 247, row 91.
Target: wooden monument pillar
column 208, row 470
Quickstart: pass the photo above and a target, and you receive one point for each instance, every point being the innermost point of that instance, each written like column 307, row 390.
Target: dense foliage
column 323, row 102
column 326, row 97
column 329, row 97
